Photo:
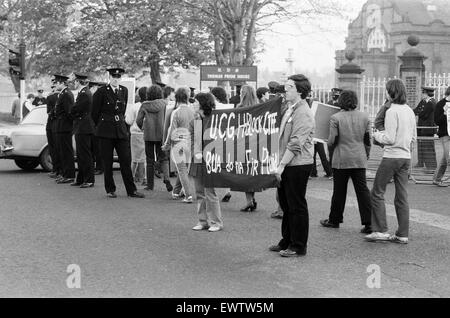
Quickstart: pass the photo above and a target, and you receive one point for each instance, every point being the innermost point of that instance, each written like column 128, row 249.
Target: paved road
column 146, row 248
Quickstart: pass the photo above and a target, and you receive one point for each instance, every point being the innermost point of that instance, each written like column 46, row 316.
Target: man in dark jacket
column 56, row 162
column 108, row 113
column 425, row 143
column 64, row 128
column 96, row 153
column 440, row 118
column 83, row 129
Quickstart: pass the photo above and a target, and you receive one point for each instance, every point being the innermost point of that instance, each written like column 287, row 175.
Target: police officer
column 425, row 145
column 108, row 113
column 83, row 129
column 273, row 86
column 98, row 161
column 64, row 126
column 51, row 102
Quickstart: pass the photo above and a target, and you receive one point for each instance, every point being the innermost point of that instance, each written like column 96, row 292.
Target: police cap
column 60, row 78
column 116, row 71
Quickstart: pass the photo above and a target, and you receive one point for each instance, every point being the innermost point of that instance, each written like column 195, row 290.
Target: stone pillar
column 349, row 77
column 412, row 71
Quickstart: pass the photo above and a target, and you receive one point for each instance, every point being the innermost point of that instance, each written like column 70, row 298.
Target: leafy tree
column 134, row 34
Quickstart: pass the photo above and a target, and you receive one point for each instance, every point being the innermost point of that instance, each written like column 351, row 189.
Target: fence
column 321, row 94
column 440, row 82
column 372, row 95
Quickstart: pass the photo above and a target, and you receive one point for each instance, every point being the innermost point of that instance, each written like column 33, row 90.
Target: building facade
column 379, row 34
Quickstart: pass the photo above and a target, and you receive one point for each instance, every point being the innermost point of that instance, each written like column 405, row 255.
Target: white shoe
column 176, row 196
column 188, row 199
column 397, row 239
column 200, row 227
column 215, row 228
column 377, row 236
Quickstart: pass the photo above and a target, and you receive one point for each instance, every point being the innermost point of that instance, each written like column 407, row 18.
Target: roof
column 422, row 12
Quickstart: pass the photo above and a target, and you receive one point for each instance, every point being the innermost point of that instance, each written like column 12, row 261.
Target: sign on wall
column 228, row 73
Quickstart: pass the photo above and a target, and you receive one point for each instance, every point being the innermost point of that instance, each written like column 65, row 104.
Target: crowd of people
column 154, row 136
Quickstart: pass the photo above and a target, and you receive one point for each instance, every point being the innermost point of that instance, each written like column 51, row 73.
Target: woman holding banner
column 248, row 99
column 296, row 153
column 208, row 206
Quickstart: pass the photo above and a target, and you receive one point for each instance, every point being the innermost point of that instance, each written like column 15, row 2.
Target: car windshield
column 36, row 116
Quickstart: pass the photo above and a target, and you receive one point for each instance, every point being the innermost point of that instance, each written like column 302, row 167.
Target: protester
column 425, row 147
column 236, row 99
column 400, row 133
column 350, row 138
column 110, row 103
column 208, row 206
column 40, row 99
column 27, row 105
column 178, row 139
column 296, row 153
column 83, row 129
column 221, row 99
column 15, row 109
column 137, row 142
column 151, row 119
column 248, row 99
column 263, row 94
column 440, row 118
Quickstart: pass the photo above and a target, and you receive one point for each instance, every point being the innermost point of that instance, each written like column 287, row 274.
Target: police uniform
column 64, row 127
column 425, row 148
column 51, row 135
column 83, row 129
column 98, row 161
column 108, row 113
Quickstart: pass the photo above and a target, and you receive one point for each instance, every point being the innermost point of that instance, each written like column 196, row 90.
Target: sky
column 313, row 49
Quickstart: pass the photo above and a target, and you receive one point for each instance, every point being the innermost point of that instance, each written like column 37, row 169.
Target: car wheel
column 27, row 164
column 46, row 160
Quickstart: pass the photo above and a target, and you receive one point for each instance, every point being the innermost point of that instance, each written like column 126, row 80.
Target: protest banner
column 322, row 114
column 241, row 146
column 130, row 84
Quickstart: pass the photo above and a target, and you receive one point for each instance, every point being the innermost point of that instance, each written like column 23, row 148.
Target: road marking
column 418, row 216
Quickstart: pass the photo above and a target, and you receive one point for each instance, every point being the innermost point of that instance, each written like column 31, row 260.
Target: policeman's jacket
column 64, row 104
column 108, row 112
column 81, row 113
column 425, row 112
column 51, row 102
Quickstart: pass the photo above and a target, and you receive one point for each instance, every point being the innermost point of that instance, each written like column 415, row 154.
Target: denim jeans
column 399, row 169
column 442, row 167
column 208, row 206
column 181, row 156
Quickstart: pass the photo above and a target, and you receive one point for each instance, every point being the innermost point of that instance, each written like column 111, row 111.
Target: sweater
column 153, row 112
column 400, row 133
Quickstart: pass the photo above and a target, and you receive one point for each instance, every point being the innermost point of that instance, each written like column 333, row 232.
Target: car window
column 36, row 116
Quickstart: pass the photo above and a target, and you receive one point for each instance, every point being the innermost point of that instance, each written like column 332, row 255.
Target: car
column 26, row 143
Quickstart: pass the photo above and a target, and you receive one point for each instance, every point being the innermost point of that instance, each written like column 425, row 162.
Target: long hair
column 182, row 96
column 396, row 91
column 207, row 102
column 248, row 96
column 220, row 94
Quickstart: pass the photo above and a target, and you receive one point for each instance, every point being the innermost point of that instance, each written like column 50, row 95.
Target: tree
column 39, row 23
column 134, row 34
column 235, row 24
